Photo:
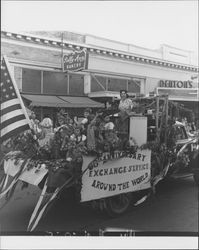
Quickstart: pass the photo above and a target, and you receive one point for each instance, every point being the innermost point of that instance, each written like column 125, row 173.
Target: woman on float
column 126, row 103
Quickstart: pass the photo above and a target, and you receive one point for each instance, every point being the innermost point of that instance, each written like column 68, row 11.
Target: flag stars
column 2, row 67
column 1, row 84
column 5, row 74
column 13, row 94
column 4, row 90
column 11, row 87
column 7, row 96
column 8, row 81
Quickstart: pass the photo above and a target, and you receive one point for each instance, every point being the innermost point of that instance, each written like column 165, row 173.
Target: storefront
column 184, row 93
column 38, row 70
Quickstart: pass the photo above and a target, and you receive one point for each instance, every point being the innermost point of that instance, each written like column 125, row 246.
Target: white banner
column 32, row 176
column 112, row 175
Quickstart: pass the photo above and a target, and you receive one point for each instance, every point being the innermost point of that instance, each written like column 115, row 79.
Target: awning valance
column 104, row 94
column 61, row 101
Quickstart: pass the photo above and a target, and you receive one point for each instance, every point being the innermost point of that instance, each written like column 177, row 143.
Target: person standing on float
column 125, row 107
column 126, row 103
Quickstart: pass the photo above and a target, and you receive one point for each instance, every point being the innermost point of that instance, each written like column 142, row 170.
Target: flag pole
column 17, row 90
column 62, row 49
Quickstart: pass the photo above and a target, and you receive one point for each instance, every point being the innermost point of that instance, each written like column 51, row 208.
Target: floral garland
column 56, row 156
column 62, row 153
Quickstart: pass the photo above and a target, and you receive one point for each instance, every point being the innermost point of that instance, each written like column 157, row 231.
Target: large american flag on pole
column 14, row 118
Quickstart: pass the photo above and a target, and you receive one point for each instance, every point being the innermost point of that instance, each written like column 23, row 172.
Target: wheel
column 117, row 205
column 196, row 177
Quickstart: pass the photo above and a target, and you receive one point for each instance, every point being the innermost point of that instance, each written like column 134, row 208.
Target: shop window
column 134, row 86
column 98, row 83
column 55, row 83
column 76, row 85
column 116, row 84
column 31, row 81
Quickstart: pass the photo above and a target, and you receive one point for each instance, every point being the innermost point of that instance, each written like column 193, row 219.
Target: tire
column 196, row 177
column 117, row 205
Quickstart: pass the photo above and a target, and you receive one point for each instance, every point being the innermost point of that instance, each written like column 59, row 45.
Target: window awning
column 99, row 94
column 61, row 101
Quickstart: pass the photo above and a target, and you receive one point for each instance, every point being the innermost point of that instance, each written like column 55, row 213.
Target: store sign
column 175, row 84
column 75, row 61
column 115, row 174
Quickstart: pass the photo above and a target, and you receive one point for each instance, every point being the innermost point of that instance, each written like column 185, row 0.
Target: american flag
column 14, row 118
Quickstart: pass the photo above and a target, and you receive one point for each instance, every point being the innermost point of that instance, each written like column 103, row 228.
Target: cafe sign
column 175, row 84
column 75, row 61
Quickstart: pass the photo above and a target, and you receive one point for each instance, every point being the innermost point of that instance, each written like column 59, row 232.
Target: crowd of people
column 96, row 132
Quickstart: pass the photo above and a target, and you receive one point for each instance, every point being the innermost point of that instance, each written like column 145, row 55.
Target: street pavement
column 173, row 209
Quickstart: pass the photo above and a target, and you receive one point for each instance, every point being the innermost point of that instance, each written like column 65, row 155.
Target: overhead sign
column 115, row 174
column 75, row 61
column 175, row 84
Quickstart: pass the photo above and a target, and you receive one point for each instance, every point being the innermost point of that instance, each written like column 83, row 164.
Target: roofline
column 98, row 50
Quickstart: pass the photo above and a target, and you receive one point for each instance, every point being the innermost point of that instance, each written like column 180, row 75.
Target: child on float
column 85, row 121
column 35, row 124
column 76, row 144
column 91, row 134
column 62, row 134
column 78, row 136
column 47, row 133
column 111, row 140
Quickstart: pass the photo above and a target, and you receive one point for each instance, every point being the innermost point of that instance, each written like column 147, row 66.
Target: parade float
column 122, row 168
column 109, row 179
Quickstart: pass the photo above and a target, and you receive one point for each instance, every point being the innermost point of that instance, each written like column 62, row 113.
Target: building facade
column 36, row 62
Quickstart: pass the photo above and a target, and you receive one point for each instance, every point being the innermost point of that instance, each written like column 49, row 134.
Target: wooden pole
column 157, row 118
column 62, row 49
column 166, row 117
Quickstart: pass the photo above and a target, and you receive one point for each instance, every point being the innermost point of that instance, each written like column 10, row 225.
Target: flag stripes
column 14, row 118
column 9, row 103
column 14, row 132
column 11, row 121
column 13, row 126
column 13, row 108
column 10, row 115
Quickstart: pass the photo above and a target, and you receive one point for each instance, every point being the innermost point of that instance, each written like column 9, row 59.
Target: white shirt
column 84, row 121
